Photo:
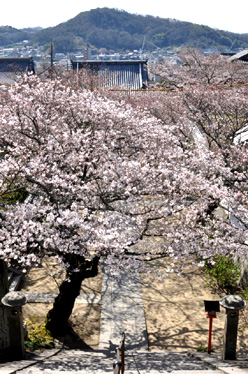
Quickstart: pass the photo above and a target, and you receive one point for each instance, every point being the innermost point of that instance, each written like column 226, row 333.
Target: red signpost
column 211, row 307
column 210, row 315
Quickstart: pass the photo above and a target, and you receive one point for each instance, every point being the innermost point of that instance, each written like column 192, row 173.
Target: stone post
column 4, row 328
column 14, row 301
column 233, row 304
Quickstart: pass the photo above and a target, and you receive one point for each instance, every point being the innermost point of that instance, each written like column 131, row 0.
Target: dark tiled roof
column 124, row 74
column 16, row 65
column 243, row 56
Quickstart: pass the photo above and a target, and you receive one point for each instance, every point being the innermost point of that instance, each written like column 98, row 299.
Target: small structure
column 14, row 301
column 124, row 74
column 233, row 304
column 242, row 56
column 10, row 68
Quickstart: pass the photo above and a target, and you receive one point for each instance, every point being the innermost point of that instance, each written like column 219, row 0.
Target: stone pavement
column 239, row 366
column 83, row 362
column 62, row 361
column 122, row 311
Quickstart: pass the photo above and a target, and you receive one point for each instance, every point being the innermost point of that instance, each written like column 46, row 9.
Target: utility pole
column 51, row 70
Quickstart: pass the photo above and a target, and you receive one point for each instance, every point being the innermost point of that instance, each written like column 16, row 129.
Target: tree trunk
column 79, row 269
column 4, row 328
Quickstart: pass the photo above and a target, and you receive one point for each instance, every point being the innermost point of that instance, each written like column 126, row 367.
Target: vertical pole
column 210, row 333
column 123, row 354
column 51, row 56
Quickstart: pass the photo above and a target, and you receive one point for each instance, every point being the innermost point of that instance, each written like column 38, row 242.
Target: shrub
column 38, row 336
column 223, row 276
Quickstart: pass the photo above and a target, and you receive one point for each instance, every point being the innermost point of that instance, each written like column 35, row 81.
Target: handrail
column 119, row 363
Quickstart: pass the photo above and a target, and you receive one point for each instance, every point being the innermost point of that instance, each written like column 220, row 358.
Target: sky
column 225, row 15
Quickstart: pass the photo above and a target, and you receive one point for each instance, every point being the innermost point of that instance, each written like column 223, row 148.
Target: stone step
column 106, row 371
column 48, row 297
column 101, row 362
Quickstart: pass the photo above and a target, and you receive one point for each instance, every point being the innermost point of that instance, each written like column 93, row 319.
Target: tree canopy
column 87, row 176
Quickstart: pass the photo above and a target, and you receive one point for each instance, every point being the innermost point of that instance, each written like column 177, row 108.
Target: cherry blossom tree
column 87, row 176
column 195, row 69
column 207, row 104
column 82, row 177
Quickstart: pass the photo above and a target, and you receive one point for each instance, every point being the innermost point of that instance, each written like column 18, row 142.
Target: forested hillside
column 119, row 30
column 10, row 35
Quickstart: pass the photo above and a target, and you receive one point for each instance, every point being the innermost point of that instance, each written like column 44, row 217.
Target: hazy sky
column 221, row 14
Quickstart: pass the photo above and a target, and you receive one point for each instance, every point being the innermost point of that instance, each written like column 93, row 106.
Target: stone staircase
column 122, row 310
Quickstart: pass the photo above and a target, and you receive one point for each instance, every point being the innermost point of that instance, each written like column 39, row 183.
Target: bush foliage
column 223, row 276
column 38, row 336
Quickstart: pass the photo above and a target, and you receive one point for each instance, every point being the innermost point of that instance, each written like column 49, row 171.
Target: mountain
column 119, row 30
column 10, row 35
column 32, row 29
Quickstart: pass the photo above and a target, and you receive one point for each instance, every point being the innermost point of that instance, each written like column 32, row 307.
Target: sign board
column 212, row 306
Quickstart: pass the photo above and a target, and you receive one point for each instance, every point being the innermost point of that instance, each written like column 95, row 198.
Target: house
column 124, row 74
column 10, row 68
